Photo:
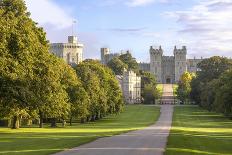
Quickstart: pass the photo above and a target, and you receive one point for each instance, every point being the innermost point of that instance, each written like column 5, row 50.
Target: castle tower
column 180, row 62
column 156, row 62
column 104, row 53
column 72, row 39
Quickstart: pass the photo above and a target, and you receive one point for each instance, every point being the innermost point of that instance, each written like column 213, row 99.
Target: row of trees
column 211, row 87
column 36, row 84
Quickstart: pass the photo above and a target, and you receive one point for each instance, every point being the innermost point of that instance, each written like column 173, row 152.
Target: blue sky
column 204, row 26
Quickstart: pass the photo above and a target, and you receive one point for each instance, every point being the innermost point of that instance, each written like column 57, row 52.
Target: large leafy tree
column 223, row 97
column 102, row 87
column 212, row 85
column 149, row 90
column 21, row 43
column 210, row 69
column 184, row 86
column 117, row 66
column 129, row 61
column 30, row 79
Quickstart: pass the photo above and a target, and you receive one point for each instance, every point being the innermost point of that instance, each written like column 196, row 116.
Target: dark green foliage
column 102, row 87
column 212, row 87
column 149, row 91
column 130, row 62
column 35, row 84
column 117, row 66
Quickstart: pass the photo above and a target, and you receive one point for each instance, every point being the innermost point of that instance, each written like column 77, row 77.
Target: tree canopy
column 34, row 84
column 212, row 86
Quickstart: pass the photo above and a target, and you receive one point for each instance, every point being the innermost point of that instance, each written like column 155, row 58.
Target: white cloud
column 207, row 26
column 46, row 12
column 134, row 3
column 130, row 3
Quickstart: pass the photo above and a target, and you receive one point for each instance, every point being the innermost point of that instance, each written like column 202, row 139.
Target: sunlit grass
column 196, row 131
column 44, row 141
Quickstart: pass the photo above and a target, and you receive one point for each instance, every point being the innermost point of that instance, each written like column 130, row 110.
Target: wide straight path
column 168, row 97
column 149, row 141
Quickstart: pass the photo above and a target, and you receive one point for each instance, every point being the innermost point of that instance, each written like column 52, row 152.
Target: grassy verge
column 196, row 131
column 35, row 141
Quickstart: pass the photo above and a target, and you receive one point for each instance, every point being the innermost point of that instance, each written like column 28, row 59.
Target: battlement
column 168, row 58
column 182, row 51
column 156, row 51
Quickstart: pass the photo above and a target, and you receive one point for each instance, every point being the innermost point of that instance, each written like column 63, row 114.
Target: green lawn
column 196, row 131
column 48, row 140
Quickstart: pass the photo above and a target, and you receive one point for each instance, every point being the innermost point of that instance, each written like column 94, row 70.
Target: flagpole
column 73, row 22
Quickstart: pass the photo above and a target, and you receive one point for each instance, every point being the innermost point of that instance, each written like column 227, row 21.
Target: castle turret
column 156, row 62
column 180, row 62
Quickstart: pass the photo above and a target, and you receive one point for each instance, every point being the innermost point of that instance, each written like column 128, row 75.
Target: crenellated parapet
column 156, row 51
column 182, row 51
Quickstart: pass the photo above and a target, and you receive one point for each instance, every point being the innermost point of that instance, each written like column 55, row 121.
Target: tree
column 117, row 66
column 30, row 77
column 210, row 69
column 223, row 97
column 184, row 86
column 102, row 87
column 149, row 90
column 130, row 62
column 21, row 43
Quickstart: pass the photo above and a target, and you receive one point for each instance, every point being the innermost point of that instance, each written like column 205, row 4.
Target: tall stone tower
column 180, row 62
column 156, row 62
column 104, row 53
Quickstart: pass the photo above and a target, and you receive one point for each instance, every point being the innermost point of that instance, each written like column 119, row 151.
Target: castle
column 167, row 69
column 71, row 52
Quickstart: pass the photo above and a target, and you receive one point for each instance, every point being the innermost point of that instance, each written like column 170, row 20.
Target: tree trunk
column 92, row 118
column 40, row 120
column 15, row 124
column 87, row 119
column 53, row 123
column 9, row 123
column 63, row 123
column 82, row 120
column 70, row 121
column 97, row 116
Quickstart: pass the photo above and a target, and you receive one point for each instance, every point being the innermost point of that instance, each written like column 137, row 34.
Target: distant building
column 168, row 69
column 71, row 52
column 106, row 55
column 130, row 84
column 144, row 66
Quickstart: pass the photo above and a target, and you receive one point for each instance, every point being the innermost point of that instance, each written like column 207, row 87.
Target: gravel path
column 149, row 141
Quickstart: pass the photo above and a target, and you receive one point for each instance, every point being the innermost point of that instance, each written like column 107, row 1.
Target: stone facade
column 130, row 84
column 71, row 52
column 144, row 66
column 106, row 55
column 168, row 69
